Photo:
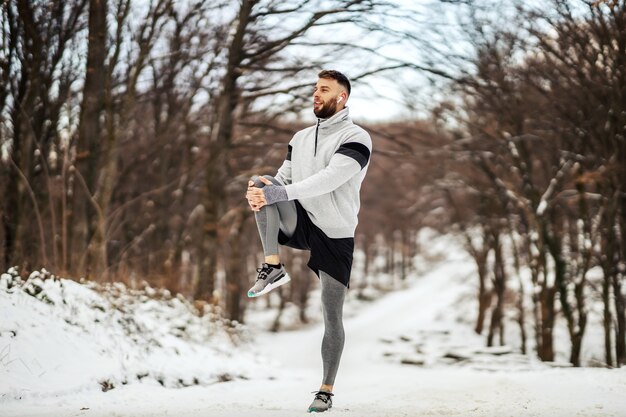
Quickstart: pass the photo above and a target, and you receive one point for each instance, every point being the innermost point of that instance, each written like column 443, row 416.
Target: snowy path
column 368, row 384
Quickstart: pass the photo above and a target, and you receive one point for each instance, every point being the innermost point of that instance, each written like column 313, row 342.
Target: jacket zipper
column 316, row 129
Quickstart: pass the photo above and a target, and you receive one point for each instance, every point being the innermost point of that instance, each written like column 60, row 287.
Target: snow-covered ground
column 409, row 353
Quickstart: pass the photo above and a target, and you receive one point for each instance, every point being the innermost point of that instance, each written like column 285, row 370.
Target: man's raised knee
column 260, row 184
column 257, row 181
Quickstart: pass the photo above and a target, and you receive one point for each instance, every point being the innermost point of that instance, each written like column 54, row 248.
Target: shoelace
column 323, row 396
column 263, row 272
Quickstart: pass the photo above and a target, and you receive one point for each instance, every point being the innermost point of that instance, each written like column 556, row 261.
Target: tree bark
column 484, row 294
column 84, row 216
column 21, row 150
column 499, row 284
column 620, row 301
column 607, row 320
column 304, row 287
column 221, row 140
column 548, row 315
column 235, row 268
column 609, row 269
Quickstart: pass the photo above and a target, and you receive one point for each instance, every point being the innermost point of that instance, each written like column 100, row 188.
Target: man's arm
column 340, row 169
column 350, row 159
column 256, row 197
column 284, row 172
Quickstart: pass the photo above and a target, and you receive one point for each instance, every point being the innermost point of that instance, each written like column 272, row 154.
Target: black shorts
column 333, row 256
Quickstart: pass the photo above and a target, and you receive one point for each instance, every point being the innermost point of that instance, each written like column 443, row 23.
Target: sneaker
column 322, row 402
column 268, row 279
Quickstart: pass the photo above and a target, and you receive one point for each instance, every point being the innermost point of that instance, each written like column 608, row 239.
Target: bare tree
column 39, row 74
column 537, row 113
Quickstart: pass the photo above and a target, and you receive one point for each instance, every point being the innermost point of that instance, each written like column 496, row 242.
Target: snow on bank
column 58, row 337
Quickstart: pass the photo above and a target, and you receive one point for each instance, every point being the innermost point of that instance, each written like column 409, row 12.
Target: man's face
column 327, row 92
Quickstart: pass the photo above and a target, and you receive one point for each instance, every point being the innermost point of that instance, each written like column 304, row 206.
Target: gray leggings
column 333, row 295
column 269, row 219
column 284, row 216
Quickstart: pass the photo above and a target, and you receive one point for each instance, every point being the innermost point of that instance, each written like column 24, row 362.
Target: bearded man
column 312, row 204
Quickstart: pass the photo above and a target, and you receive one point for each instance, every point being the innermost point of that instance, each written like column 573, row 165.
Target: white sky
column 383, row 96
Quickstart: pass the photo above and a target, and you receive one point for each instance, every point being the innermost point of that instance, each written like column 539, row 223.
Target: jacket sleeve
column 348, row 160
column 284, row 172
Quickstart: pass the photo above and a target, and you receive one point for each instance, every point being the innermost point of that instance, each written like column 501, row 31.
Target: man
column 312, row 204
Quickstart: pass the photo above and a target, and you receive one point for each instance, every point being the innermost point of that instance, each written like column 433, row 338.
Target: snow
column 69, row 337
column 543, row 205
column 409, row 353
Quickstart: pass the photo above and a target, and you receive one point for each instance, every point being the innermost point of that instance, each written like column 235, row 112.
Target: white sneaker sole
column 284, row 280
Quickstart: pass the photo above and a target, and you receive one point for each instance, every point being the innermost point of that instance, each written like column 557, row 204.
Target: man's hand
column 255, row 196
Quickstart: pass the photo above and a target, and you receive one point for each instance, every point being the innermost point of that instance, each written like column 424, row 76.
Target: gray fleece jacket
column 324, row 169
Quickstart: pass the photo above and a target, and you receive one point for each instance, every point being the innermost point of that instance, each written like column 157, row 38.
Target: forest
column 129, row 130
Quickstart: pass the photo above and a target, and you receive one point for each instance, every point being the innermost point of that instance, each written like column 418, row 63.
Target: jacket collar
column 335, row 119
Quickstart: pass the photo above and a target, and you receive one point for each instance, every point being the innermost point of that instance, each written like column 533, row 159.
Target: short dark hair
column 336, row 75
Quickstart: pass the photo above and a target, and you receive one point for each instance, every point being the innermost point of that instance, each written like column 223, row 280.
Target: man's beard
column 328, row 109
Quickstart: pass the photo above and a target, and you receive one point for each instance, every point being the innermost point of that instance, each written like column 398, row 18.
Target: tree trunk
column 9, row 203
column 548, row 315
column 534, row 266
column 484, row 295
column 403, row 253
column 204, row 282
column 480, row 255
column 221, row 140
column 521, row 318
column 17, row 243
column 562, row 280
column 304, row 287
column 545, row 313
column 521, row 296
column 584, row 255
column 499, row 283
column 620, row 333
column 609, row 268
column 607, row 319
column 620, row 325
column 84, row 215
column 12, row 203
column 235, row 268
column 281, row 308
column 391, row 258
column 547, row 300
column 285, row 294
column 366, row 242
column 620, row 301
column 577, row 335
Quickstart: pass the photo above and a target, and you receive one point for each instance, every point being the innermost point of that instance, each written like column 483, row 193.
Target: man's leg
column 270, row 219
column 333, row 295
